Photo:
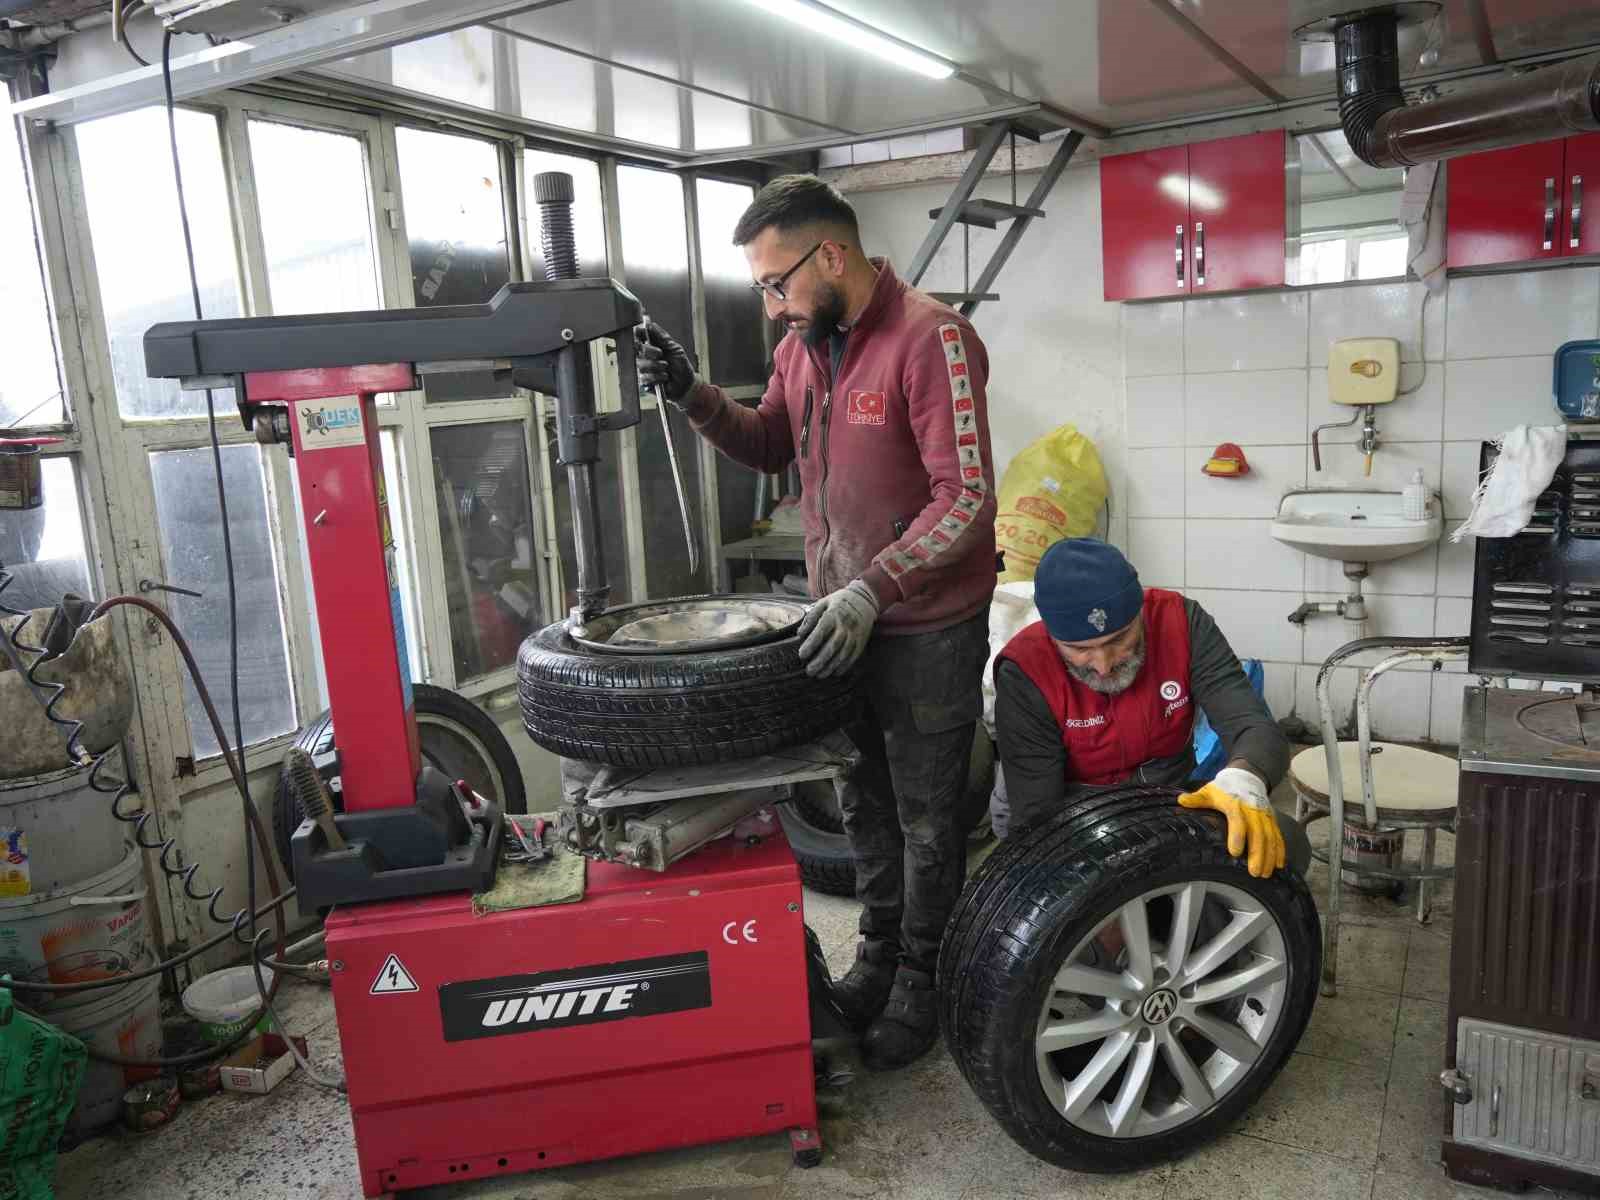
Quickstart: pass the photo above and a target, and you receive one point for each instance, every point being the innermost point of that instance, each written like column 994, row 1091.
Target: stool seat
column 1409, row 784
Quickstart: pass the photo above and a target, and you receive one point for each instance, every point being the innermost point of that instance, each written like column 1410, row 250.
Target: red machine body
column 663, row 1010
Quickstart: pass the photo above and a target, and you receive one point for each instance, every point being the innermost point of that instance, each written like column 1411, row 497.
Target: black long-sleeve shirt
column 1034, row 758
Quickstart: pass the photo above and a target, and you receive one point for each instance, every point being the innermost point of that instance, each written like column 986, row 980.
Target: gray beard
column 1120, row 680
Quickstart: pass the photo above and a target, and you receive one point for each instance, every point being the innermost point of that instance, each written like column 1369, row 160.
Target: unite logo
column 577, row 996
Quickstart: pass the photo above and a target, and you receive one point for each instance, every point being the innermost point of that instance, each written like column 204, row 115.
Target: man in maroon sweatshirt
column 878, row 393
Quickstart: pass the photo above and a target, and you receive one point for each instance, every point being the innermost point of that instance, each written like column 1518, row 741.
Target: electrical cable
column 1422, row 343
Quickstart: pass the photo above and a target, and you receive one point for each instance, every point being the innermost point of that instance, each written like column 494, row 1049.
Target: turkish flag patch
column 865, row 408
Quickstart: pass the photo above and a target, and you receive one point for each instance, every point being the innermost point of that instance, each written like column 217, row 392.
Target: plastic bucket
column 55, row 831
column 121, row 1020
column 92, row 930
column 224, row 1000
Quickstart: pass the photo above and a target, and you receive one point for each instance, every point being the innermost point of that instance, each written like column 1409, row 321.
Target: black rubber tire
column 662, row 710
column 815, row 827
column 1036, row 898
column 434, row 706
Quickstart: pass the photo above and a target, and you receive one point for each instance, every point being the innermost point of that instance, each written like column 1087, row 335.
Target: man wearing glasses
column 878, row 393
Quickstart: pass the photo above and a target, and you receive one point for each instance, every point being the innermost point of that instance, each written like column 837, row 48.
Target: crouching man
column 1103, row 690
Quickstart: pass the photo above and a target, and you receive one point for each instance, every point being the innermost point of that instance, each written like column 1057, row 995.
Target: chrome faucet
column 1368, row 443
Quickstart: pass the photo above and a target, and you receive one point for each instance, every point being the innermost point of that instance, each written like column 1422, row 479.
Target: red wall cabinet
column 1524, row 203
column 1186, row 220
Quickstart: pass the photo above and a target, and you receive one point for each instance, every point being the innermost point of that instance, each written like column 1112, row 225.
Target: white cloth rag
column 1505, row 499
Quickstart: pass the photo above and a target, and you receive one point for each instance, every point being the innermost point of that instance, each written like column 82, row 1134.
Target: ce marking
column 733, row 932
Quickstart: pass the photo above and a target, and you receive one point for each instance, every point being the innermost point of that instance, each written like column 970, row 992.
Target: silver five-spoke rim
column 1162, row 1010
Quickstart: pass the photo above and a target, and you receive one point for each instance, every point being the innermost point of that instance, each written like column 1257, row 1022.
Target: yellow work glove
column 1240, row 796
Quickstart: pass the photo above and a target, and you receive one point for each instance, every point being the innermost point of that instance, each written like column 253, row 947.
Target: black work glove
column 663, row 362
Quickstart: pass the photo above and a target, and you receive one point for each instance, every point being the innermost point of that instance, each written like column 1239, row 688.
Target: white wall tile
column 1250, row 408
column 1485, row 397
column 1344, row 466
column 1342, row 694
column 1387, row 616
column 1414, row 575
column 1418, row 417
column 1444, row 719
column 1156, row 548
column 1253, row 622
column 1456, row 562
column 1525, row 312
column 1277, row 687
column 1326, row 632
column 1400, row 701
column 1156, row 411
column 1241, row 554
column 1152, row 338
column 1453, row 618
column 1260, row 332
column 1155, row 483
column 1273, row 471
column 1376, row 310
column 1460, row 478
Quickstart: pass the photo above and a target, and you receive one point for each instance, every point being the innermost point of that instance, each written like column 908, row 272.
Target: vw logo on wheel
column 1159, row 1007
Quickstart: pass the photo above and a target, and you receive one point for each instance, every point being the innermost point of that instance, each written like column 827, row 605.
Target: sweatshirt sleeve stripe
column 950, row 528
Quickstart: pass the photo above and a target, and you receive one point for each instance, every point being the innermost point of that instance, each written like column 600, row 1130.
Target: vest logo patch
column 866, row 408
column 1170, row 690
column 1084, row 722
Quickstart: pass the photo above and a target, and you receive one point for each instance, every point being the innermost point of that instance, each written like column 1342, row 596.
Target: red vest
column 1108, row 737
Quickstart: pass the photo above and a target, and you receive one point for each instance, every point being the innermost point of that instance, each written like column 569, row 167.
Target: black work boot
column 864, row 989
column 908, row 1026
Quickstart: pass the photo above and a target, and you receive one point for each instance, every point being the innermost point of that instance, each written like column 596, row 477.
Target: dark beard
column 1120, row 679
column 825, row 318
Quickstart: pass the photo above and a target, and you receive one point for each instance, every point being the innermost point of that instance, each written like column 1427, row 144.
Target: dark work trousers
column 923, row 698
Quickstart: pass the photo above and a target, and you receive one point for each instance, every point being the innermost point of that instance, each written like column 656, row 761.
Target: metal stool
column 1419, row 787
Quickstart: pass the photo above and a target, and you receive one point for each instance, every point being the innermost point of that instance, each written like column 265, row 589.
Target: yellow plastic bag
column 1052, row 490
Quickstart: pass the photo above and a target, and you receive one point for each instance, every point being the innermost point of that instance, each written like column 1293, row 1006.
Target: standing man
column 1103, row 690
column 877, row 393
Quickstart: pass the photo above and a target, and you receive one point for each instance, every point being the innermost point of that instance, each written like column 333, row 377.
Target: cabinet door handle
column 1177, row 254
column 1199, row 254
column 1576, row 238
column 1549, row 213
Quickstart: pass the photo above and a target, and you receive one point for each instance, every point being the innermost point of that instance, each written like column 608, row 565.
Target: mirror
column 1344, row 217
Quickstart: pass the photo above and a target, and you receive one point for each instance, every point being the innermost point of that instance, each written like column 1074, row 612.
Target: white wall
column 1054, row 346
column 1159, row 385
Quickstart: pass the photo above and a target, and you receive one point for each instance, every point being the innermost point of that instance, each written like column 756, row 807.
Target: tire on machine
column 665, row 710
column 1047, row 898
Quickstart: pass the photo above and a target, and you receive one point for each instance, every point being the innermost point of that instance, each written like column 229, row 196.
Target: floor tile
column 1008, row 1171
column 1246, row 1168
column 1420, row 1031
column 1428, row 965
column 1356, row 1026
column 1317, row 1104
column 1372, row 956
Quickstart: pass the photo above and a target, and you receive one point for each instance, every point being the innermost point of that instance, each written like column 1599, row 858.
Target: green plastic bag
column 41, row 1068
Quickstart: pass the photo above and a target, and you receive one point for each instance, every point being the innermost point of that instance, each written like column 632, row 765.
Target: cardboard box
column 259, row 1065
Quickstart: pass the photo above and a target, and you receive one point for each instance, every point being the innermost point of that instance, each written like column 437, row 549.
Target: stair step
column 989, row 213
column 955, row 298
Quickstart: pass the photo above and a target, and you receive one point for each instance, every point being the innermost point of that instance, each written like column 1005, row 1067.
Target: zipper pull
column 805, row 424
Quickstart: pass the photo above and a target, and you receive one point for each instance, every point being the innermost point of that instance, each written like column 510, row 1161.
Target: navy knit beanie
column 1085, row 589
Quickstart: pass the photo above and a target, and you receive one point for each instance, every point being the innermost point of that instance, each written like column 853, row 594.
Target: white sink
column 1354, row 526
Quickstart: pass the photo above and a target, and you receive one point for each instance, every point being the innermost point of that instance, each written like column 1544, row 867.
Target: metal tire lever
column 662, row 403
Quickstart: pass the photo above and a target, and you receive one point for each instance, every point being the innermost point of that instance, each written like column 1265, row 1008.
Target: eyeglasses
column 775, row 288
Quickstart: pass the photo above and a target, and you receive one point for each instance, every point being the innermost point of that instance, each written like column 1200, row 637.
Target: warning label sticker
column 393, row 978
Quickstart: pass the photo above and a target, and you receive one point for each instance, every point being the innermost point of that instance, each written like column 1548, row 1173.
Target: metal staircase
column 965, row 210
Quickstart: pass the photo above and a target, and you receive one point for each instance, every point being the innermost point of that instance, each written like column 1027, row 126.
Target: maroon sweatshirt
column 900, row 438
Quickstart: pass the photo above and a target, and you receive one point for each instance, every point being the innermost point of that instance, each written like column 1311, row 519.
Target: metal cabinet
column 1524, row 203
column 1187, row 220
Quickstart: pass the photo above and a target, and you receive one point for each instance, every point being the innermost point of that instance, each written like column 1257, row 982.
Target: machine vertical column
column 577, row 434
column 351, row 547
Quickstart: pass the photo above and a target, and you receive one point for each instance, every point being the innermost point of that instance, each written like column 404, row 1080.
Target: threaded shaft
column 552, row 191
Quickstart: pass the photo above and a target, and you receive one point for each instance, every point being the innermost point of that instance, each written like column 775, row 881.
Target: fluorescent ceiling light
column 819, row 18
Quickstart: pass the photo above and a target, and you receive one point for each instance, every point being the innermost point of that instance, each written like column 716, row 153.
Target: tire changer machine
column 668, row 1007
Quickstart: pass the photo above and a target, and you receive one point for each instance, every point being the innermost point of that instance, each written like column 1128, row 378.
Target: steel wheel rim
column 459, row 753
column 1159, row 1037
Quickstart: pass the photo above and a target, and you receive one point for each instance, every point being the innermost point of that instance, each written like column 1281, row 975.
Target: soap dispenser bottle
column 1414, row 500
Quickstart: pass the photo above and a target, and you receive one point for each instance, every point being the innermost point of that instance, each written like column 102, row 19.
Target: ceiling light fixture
column 819, row 18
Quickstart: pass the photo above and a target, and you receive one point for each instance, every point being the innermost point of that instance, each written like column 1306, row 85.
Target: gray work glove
column 836, row 629
column 663, row 362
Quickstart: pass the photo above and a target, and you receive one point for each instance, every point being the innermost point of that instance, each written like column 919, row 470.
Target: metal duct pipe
column 1384, row 131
